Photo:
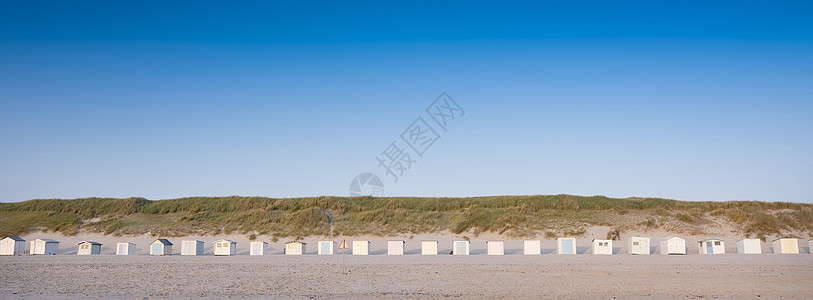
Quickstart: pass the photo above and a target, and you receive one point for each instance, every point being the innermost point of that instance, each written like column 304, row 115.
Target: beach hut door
column 156, row 249
column 121, row 248
column 325, row 248
column 709, row 248
column 567, row 246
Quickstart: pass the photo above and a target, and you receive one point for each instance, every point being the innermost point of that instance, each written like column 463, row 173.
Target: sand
column 410, row 276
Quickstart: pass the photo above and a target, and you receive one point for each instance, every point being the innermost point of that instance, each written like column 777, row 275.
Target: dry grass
column 518, row 216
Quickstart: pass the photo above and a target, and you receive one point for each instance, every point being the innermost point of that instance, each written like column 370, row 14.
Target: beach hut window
column 717, row 243
column 635, row 243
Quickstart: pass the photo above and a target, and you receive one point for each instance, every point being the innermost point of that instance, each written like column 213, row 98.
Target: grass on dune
column 299, row 217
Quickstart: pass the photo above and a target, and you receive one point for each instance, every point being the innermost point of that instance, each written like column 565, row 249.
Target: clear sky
column 711, row 100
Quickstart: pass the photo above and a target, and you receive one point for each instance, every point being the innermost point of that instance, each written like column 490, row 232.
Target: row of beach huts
column 636, row 245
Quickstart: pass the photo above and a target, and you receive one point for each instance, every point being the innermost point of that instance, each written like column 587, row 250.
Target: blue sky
column 692, row 101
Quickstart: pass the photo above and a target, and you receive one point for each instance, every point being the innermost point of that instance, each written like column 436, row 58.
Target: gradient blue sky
column 711, row 100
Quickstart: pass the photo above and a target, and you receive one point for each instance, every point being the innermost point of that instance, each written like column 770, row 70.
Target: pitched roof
column 231, row 242
column 89, row 242
column 162, row 241
column 47, row 241
column 16, row 238
column 295, row 242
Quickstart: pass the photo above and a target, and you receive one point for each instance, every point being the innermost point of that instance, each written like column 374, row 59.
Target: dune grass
column 519, row 216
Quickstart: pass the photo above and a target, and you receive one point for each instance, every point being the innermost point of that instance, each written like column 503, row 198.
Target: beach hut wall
column 395, row 247
column 638, row 246
column 44, row 247
column 361, row 247
column 326, row 247
column 749, row 246
column 257, row 248
column 566, row 245
column 533, row 247
column 124, row 248
column 161, row 247
column 604, row 247
column 460, row 247
column 12, row 245
column 88, row 248
column 429, row 247
column 191, row 247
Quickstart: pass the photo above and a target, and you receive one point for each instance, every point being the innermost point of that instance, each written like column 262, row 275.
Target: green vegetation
column 519, row 216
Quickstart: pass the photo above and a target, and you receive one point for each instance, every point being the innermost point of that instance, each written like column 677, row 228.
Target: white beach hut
column 786, row 246
column 673, row 246
column 495, row 247
column 429, row 247
column 749, row 246
column 810, row 246
column 124, row 248
column 602, row 246
column 295, row 248
column 161, row 247
column 395, row 247
column 326, row 247
column 192, row 247
column 566, row 245
column 257, row 248
column 44, row 247
column 532, row 247
column 711, row 246
column 225, row 248
column 88, row 248
column 361, row 247
column 12, row 245
column 461, row 247
column 638, row 246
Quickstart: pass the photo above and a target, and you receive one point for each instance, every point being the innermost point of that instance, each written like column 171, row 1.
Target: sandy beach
column 410, row 276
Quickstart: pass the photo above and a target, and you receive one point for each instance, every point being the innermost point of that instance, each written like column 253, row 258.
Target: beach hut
column 786, row 246
column 161, row 247
column 638, row 246
column 495, row 247
column 602, row 246
column 89, row 248
column 44, row 247
column 566, row 245
column 532, row 247
column 711, row 246
column 225, row 247
column 395, row 247
column 810, row 246
column 429, row 247
column 673, row 246
column 461, row 247
column 361, row 247
column 124, row 248
column 749, row 246
column 257, row 248
column 294, row 248
column 326, row 247
column 12, row 245
column 192, row 247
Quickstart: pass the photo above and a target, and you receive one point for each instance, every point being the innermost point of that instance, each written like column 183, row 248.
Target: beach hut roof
column 429, row 241
column 89, row 242
column 47, row 240
column 16, row 238
column 295, row 242
column 671, row 237
column 599, row 240
column 706, row 240
column 784, row 238
column 259, row 242
column 230, row 242
column 162, row 241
